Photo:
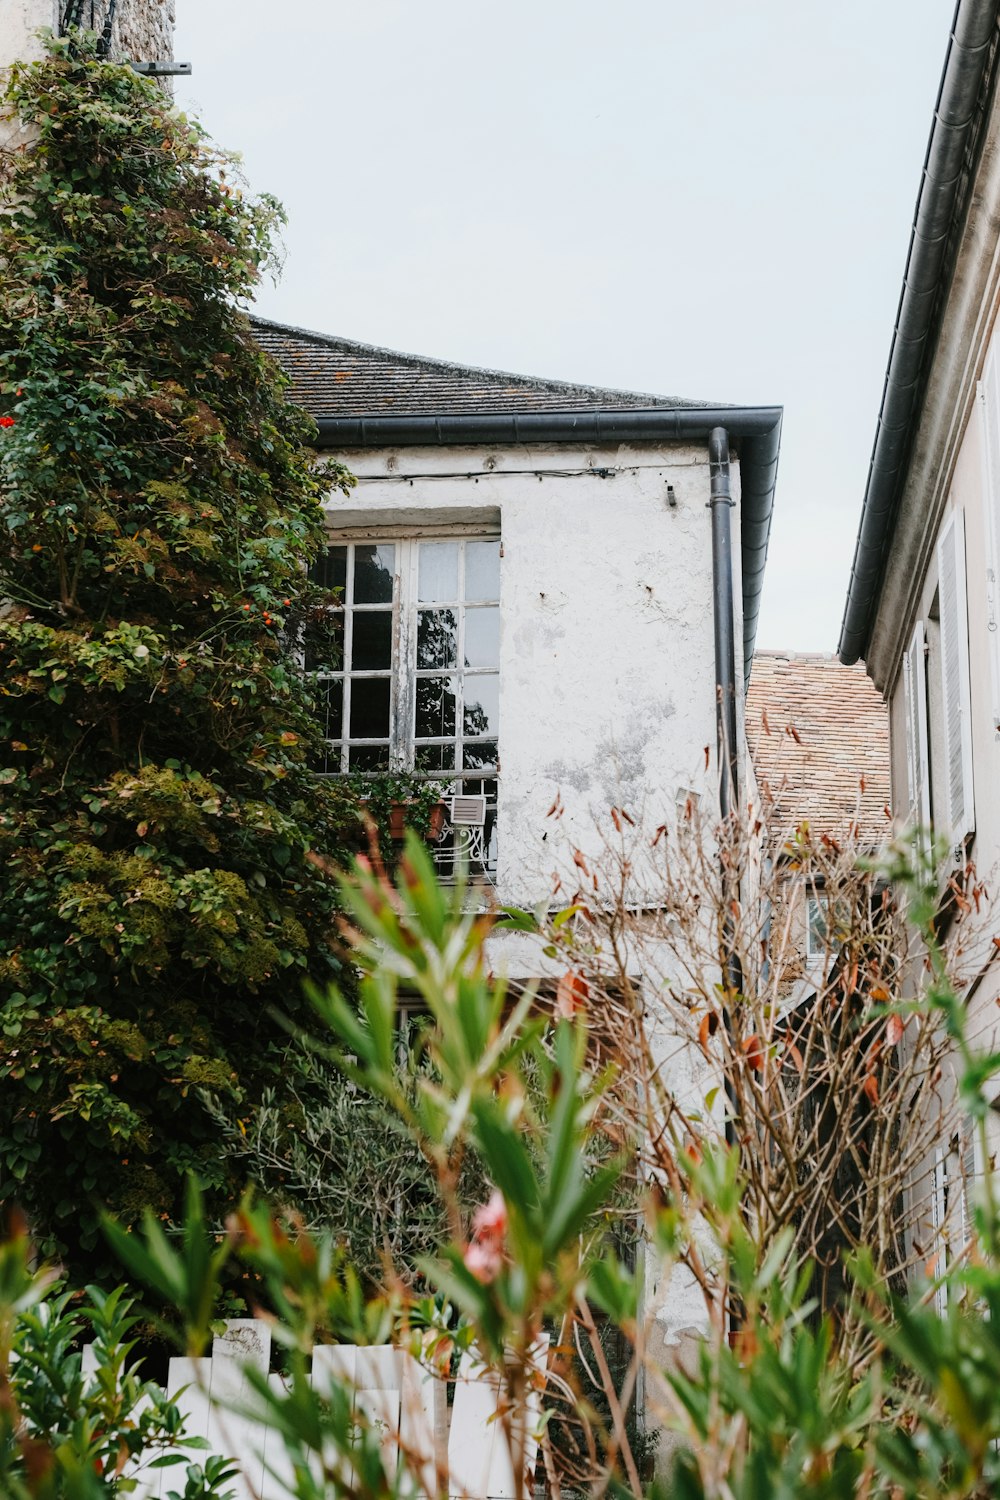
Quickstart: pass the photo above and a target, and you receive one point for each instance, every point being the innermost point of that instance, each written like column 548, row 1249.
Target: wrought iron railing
column 468, row 838
column 90, row 15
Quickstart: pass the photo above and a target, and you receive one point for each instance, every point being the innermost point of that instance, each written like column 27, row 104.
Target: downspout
column 721, row 504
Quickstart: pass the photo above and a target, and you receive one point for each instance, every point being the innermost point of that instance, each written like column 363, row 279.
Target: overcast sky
column 709, row 201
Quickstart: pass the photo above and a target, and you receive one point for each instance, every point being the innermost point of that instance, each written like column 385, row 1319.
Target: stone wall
column 143, row 30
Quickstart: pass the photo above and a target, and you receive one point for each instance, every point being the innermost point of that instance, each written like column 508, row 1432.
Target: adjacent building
column 923, row 607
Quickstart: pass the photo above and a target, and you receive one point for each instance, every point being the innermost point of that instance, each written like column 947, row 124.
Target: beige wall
column 967, row 492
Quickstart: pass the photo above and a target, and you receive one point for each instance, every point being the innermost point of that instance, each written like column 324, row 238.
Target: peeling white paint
column 607, row 667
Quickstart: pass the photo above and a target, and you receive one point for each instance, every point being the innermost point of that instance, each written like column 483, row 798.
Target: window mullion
column 346, row 665
column 404, row 659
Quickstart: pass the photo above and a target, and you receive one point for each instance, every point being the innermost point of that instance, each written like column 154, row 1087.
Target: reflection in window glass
column 373, row 574
column 482, row 704
column 437, row 698
column 434, row 757
column 438, row 571
column 480, row 755
column 437, row 638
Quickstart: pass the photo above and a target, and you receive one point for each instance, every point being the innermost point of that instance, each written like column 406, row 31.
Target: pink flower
column 484, row 1259
column 484, row 1256
column 489, row 1222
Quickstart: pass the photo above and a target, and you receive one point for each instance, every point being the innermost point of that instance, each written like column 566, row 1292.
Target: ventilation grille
column 467, row 812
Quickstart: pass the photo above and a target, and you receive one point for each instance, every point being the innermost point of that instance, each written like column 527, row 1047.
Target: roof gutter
column 939, row 200
column 756, row 431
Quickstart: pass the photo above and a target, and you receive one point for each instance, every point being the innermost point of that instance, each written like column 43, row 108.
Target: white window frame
column 915, row 709
column 955, row 678
column 403, row 674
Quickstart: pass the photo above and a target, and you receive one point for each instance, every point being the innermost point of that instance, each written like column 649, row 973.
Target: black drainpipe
column 721, row 503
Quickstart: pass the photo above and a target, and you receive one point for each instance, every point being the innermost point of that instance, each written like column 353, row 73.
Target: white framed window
column 827, row 925
column 817, row 926
column 955, row 682
column 408, row 672
column 918, row 783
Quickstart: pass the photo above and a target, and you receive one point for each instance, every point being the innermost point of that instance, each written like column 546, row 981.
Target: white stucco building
column 923, row 607
column 536, row 561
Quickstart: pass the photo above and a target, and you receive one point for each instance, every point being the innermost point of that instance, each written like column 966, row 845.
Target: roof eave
column 756, row 431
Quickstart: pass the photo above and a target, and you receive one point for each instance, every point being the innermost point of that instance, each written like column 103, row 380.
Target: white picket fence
column 466, row 1442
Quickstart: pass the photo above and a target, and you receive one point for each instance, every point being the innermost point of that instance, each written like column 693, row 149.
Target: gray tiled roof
column 334, row 377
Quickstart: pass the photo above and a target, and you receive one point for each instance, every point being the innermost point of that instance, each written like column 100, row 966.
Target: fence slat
column 245, row 1345
column 391, row 1391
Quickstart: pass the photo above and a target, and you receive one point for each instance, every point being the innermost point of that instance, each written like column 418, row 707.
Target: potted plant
column 398, row 800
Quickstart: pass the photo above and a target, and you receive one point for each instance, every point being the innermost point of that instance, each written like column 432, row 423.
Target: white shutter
column 939, row 1219
column 915, row 706
column 989, row 406
column 955, row 677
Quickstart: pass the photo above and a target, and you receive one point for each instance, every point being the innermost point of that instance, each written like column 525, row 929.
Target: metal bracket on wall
column 161, row 69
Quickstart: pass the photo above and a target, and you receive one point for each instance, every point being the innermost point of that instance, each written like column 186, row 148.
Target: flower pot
column 397, row 821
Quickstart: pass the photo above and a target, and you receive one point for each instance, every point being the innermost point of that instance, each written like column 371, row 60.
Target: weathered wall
column 19, row 21
column 607, row 686
column 143, row 29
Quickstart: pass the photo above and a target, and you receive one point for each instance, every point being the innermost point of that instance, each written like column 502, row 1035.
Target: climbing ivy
column 164, row 848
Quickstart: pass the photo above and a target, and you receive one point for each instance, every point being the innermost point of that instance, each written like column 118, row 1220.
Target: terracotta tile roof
column 815, row 728
column 334, row 377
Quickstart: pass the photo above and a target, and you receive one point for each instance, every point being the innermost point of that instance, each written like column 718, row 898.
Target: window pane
column 329, row 761
column 372, row 648
column 369, row 757
column 369, row 708
column 435, row 757
column 330, row 702
column 323, row 640
column 373, row 567
column 480, row 755
column 819, row 933
column 482, row 570
column 435, row 707
column 437, row 638
column 438, row 570
column 482, row 637
column 482, row 704
column 330, row 568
